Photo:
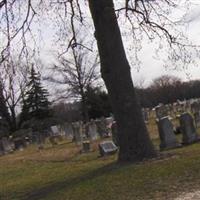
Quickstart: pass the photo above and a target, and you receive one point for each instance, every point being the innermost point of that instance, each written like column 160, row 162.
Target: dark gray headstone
column 197, row 119
column 86, row 146
column 107, row 148
column 78, row 132
column 188, row 129
column 166, row 133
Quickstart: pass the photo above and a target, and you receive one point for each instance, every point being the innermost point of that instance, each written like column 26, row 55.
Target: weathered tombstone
column 101, row 127
column 109, row 121
column 107, row 148
column 197, row 119
column 7, row 146
column 55, row 131
column 195, row 107
column 68, row 130
column 92, row 130
column 86, row 146
column 166, row 133
column 77, row 129
column 188, row 129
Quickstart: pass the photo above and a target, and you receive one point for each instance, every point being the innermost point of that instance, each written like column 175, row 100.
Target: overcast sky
column 150, row 67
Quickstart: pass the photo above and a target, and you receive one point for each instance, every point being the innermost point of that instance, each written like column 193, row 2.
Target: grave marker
column 107, row 148
column 166, row 133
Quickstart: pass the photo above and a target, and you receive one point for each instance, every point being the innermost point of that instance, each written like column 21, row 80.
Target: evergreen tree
column 98, row 102
column 35, row 101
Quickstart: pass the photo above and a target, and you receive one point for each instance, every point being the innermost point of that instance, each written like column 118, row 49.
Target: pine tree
column 35, row 101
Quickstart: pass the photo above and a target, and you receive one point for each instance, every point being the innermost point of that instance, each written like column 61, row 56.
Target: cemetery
column 73, row 161
column 99, row 100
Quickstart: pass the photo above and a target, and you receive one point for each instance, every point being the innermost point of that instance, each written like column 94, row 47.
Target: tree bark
column 134, row 141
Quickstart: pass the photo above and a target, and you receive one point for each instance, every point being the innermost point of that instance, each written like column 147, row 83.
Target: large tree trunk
column 134, row 141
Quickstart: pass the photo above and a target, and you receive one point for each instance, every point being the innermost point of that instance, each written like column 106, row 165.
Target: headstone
column 101, row 127
column 109, row 121
column 197, row 119
column 107, row 148
column 92, row 130
column 7, row 146
column 166, row 133
column 77, row 129
column 68, row 130
column 86, row 146
column 55, row 131
column 188, row 129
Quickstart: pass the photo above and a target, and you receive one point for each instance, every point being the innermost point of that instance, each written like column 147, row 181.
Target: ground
column 62, row 173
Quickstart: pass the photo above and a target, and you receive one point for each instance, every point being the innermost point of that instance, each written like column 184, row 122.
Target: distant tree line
column 167, row 89
column 97, row 103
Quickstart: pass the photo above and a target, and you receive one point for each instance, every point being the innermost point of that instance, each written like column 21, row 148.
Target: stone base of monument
column 107, row 148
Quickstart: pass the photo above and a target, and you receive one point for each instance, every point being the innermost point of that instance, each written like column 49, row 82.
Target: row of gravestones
column 167, row 136
column 177, row 108
column 78, row 131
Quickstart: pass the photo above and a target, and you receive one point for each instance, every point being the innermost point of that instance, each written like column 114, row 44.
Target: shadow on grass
column 69, row 183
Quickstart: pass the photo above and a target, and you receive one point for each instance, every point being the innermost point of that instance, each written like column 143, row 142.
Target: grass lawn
column 62, row 173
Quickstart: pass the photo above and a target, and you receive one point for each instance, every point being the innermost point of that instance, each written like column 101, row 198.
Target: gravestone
column 188, row 129
column 77, row 129
column 7, row 146
column 101, row 127
column 86, row 146
column 54, row 131
column 107, row 148
column 166, row 133
column 68, row 129
column 197, row 119
column 92, row 130
column 109, row 121
column 195, row 107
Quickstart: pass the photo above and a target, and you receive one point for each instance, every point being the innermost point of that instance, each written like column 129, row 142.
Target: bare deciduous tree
column 78, row 71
